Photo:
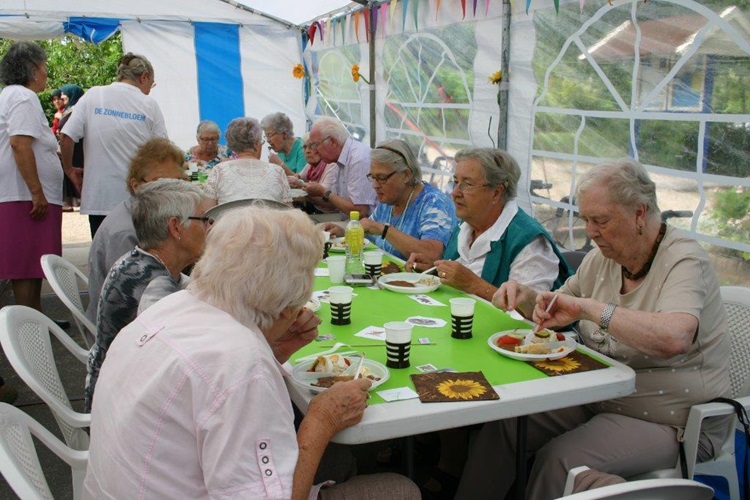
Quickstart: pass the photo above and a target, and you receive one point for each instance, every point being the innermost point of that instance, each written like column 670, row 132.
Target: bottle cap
column 354, row 215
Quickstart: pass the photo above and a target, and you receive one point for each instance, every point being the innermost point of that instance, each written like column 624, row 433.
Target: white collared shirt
column 535, row 266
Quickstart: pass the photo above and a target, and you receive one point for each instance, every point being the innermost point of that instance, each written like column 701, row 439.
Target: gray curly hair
column 243, row 134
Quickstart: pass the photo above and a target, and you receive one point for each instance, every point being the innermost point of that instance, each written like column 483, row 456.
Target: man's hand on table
column 340, row 406
column 314, row 189
column 335, row 229
column 303, row 331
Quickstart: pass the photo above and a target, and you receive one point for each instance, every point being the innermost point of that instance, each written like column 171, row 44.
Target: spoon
column 359, row 367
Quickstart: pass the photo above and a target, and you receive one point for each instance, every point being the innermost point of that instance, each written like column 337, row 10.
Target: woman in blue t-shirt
column 412, row 216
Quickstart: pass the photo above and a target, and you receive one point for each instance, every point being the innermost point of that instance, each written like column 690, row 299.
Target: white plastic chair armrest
column 693, row 427
column 79, row 352
column 570, row 481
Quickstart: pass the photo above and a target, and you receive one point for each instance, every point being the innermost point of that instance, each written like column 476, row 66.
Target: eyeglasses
column 268, row 136
column 380, row 179
column 208, row 139
column 205, row 220
column 314, row 145
column 466, row 187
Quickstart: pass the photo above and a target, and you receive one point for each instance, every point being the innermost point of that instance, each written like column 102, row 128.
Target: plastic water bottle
column 354, row 237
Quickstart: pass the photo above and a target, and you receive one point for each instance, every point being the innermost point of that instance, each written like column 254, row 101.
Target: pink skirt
column 23, row 240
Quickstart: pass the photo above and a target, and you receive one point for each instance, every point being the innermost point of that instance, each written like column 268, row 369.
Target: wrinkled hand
column 565, row 311
column 39, row 206
column 418, row 262
column 332, row 228
column 456, row 275
column 341, row 406
column 514, row 296
column 294, row 181
column 372, row 227
column 75, row 174
column 314, row 189
column 303, row 331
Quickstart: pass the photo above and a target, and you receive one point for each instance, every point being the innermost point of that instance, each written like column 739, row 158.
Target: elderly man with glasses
column 351, row 189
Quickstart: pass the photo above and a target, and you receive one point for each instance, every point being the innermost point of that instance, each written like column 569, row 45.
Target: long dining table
column 523, row 389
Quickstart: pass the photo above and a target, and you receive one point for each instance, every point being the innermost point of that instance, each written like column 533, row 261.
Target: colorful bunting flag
column 463, row 8
column 475, row 8
column 393, row 9
column 404, row 10
column 366, row 13
column 355, row 15
column 415, row 11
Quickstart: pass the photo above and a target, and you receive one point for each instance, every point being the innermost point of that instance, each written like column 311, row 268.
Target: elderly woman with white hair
column 168, row 216
column 206, row 414
column 247, row 176
column 208, row 152
column 279, row 132
column 648, row 297
column 497, row 240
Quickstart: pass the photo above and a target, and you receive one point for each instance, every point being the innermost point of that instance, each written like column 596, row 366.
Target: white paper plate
column 338, row 245
column 298, row 193
column 302, row 377
column 411, row 278
column 568, row 343
column 313, row 304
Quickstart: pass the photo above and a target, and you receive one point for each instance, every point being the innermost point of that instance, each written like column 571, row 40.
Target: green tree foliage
column 72, row 60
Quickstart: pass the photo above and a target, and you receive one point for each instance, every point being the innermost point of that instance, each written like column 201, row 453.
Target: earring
column 640, row 230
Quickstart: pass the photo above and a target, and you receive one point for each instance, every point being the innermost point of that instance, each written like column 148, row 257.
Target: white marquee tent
column 664, row 81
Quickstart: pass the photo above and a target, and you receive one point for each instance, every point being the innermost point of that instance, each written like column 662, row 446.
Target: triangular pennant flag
column 355, row 16
column 415, row 11
column 486, row 8
column 305, row 39
column 463, row 8
column 334, row 23
column 383, row 16
column 393, row 9
column 475, row 8
column 311, row 33
column 581, row 3
column 342, row 23
column 321, row 32
column 404, row 10
column 437, row 8
column 528, row 4
column 557, row 6
column 366, row 13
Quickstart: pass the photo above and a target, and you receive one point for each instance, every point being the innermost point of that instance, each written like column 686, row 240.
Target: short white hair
column 331, row 127
column 257, row 262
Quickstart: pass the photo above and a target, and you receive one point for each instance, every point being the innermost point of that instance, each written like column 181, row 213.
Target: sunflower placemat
column 439, row 387
column 575, row 362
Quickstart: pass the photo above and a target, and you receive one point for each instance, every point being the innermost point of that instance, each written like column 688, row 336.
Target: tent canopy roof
column 291, row 12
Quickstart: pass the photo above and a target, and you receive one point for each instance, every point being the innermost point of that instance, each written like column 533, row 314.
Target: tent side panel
column 171, row 50
column 268, row 56
column 217, row 50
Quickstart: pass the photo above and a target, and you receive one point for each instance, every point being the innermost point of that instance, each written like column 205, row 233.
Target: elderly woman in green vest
column 497, row 241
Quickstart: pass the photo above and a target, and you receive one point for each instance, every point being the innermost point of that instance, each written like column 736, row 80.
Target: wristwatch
column 385, row 230
column 606, row 316
column 327, row 196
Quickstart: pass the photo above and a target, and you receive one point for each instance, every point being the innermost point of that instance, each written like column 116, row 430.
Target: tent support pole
column 373, row 129
column 504, row 87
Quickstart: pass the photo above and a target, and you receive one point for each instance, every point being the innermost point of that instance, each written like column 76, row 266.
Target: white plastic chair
column 19, row 462
column 24, row 336
column 737, row 304
column 61, row 275
column 663, row 489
